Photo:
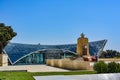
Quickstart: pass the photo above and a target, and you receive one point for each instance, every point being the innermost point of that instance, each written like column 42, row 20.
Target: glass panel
column 35, row 58
column 15, row 51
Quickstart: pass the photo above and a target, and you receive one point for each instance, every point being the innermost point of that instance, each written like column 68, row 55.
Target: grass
column 15, row 76
column 63, row 73
column 29, row 75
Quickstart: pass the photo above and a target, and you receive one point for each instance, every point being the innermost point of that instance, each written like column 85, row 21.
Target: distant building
column 22, row 54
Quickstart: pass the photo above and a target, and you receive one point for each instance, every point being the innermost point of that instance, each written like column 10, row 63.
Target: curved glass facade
column 25, row 53
column 34, row 58
column 39, row 57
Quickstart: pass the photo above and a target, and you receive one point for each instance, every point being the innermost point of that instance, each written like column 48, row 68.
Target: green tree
column 6, row 34
column 110, row 54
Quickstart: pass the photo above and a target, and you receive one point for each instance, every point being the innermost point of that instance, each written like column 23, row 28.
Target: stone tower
column 3, row 59
column 82, row 46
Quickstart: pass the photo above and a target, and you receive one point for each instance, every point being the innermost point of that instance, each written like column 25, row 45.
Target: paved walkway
column 81, row 77
column 33, row 68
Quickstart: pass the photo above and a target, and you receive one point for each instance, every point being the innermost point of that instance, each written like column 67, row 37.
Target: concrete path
column 81, row 77
column 33, row 68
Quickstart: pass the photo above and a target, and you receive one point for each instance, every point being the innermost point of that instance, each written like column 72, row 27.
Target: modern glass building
column 19, row 54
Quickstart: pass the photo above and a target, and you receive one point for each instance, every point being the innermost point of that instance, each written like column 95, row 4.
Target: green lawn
column 15, row 76
column 29, row 76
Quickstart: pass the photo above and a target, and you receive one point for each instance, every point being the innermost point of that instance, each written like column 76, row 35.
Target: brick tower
column 82, row 46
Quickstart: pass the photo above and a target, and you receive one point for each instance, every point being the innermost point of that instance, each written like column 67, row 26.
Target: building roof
column 16, row 51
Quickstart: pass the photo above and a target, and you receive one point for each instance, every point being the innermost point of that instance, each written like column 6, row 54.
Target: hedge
column 101, row 67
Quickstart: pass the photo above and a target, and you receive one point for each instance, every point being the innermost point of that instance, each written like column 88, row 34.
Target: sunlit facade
column 20, row 54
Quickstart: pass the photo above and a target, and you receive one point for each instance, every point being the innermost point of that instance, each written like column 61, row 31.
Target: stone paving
column 115, row 76
column 33, row 68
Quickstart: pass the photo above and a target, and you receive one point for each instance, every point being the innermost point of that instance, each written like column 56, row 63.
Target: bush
column 112, row 67
column 100, row 67
column 118, row 68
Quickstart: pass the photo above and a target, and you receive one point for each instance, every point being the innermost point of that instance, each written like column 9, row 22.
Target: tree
column 110, row 54
column 6, row 34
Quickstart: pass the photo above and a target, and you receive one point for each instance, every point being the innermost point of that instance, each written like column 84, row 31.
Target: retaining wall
column 69, row 64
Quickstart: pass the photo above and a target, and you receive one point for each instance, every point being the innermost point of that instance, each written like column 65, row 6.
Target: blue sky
column 62, row 21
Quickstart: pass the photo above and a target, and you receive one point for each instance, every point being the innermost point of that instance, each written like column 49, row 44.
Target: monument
column 82, row 46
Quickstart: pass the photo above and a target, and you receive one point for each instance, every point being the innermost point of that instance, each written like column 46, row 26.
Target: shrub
column 112, row 67
column 100, row 67
column 118, row 68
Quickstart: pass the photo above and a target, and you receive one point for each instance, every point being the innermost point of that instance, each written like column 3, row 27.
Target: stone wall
column 3, row 60
column 69, row 64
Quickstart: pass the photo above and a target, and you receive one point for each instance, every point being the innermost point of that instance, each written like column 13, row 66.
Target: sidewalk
column 115, row 76
column 32, row 68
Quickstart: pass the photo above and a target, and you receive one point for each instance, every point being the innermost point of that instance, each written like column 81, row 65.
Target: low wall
column 3, row 59
column 69, row 64
column 54, row 62
column 80, row 65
